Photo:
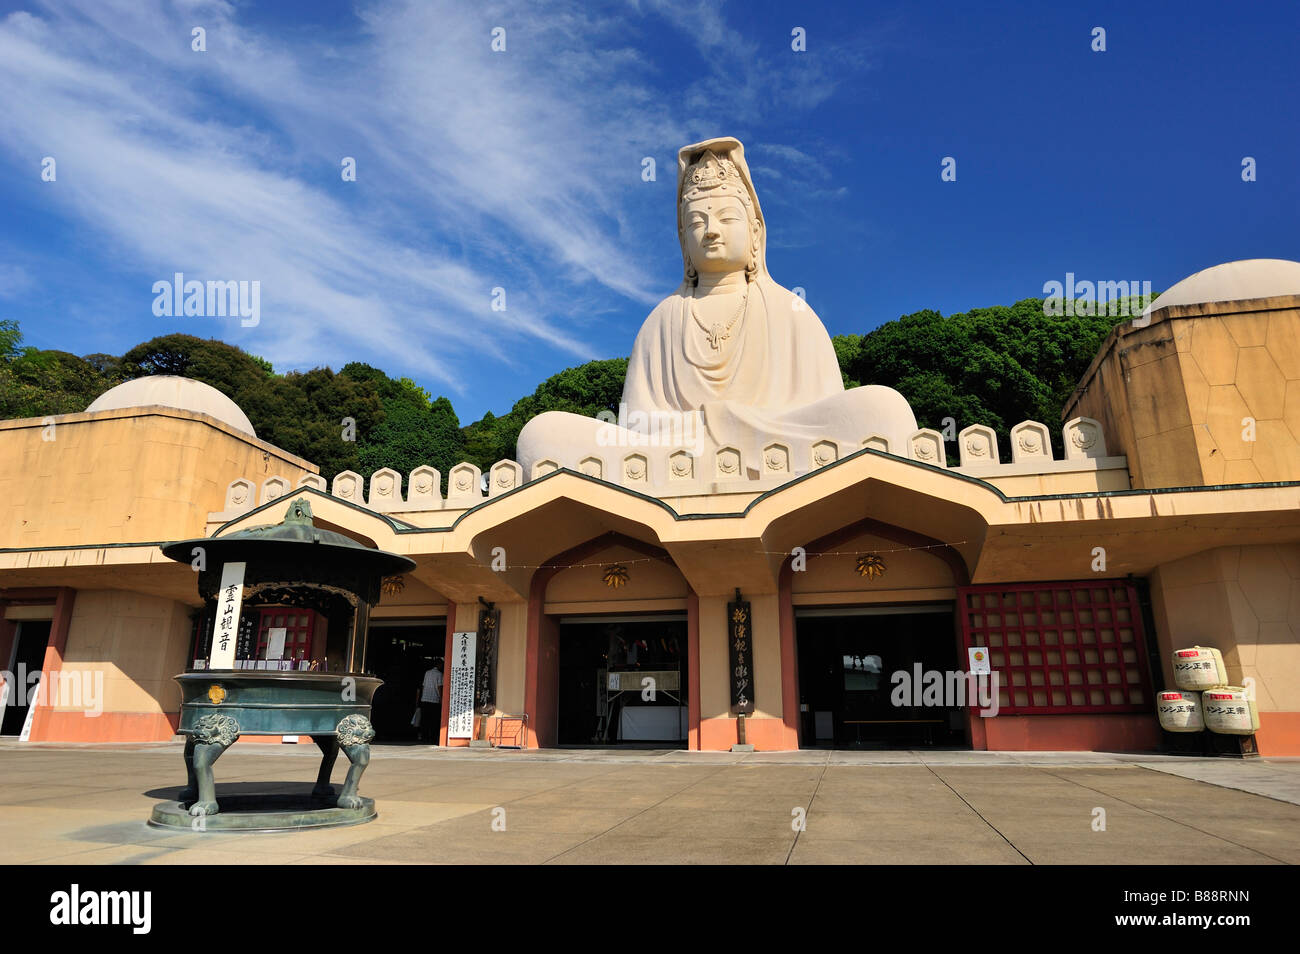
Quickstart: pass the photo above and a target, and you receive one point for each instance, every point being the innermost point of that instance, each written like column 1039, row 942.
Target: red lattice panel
column 1071, row 647
column 299, row 626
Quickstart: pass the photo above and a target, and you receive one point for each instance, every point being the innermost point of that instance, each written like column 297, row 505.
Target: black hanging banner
column 246, row 641
column 203, row 627
column 485, row 678
column 740, row 652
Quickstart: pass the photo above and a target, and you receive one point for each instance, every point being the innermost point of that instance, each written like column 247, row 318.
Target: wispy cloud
column 13, row 279
column 475, row 169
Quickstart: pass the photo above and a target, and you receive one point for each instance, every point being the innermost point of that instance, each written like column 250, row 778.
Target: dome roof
column 169, row 390
column 1234, row 281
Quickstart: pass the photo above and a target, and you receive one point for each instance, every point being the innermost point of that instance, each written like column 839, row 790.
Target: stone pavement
column 87, row 804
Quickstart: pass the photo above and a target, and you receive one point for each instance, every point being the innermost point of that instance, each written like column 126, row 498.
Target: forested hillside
column 995, row 366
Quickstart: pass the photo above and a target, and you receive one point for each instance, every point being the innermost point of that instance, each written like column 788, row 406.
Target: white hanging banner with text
column 460, row 703
column 33, row 698
column 226, row 628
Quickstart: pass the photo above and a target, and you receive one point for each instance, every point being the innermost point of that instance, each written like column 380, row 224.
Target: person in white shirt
column 431, row 703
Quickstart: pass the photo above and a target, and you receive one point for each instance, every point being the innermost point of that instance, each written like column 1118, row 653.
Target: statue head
column 719, row 221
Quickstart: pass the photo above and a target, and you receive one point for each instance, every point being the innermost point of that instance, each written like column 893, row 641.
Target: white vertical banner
column 34, row 695
column 275, row 638
column 225, row 631
column 460, row 711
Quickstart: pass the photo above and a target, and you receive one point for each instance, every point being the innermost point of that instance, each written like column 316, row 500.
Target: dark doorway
column 400, row 653
column 848, row 692
column 28, row 657
column 623, row 680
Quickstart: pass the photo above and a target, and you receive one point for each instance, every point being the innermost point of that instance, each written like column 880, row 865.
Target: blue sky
column 522, row 169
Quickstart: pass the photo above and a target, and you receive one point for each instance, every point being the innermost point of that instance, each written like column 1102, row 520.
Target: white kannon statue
column 731, row 358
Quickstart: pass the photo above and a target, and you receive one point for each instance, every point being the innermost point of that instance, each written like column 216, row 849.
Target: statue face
column 718, row 234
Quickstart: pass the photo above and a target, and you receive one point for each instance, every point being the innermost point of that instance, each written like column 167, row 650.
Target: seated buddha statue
column 731, row 358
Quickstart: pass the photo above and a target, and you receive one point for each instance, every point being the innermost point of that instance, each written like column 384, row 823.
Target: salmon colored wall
column 1279, row 734
column 511, row 666
column 1073, row 733
column 64, row 600
column 693, row 665
column 767, row 655
column 137, row 642
column 789, row 662
column 764, row 734
column 512, row 653
column 715, row 700
column 548, row 674
column 771, row 728
column 77, row 637
column 66, row 726
column 715, row 687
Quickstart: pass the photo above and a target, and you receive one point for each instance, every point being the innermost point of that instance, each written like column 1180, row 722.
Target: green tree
column 322, row 416
column 34, row 383
column 414, row 429
column 995, row 366
column 300, row 412
column 229, row 369
column 109, row 366
column 587, row 390
column 10, row 340
column 846, row 351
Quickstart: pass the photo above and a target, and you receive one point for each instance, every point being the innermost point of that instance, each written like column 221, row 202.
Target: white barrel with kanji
column 1199, row 668
column 1180, row 711
column 1228, row 711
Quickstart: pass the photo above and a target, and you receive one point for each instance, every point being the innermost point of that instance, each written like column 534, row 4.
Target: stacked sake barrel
column 1204, row 699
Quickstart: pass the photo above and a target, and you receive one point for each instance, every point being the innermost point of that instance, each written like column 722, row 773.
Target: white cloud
column 224, row 164
column 13, row 280
column 475, row 169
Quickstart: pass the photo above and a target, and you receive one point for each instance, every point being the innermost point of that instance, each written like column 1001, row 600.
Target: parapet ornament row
column 674, row 472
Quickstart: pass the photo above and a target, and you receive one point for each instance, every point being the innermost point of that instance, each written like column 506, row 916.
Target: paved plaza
column 87, row 805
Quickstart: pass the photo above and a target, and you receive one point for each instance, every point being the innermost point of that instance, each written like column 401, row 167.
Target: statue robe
column 776, row 378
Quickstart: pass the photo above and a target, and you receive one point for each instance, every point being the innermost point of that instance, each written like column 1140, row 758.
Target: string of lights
column 1185, row 525
column 668, row 559
column 878, row 550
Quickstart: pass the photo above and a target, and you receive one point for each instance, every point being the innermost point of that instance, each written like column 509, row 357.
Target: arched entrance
column 870, row 640
column 593, row 641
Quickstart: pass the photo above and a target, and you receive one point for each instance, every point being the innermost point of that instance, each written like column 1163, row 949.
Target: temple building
column 751, row 555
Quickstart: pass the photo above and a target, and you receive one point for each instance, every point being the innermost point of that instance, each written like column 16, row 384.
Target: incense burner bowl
column 219, row 706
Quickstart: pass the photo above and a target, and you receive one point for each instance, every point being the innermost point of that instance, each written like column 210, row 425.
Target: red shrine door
column 299, row 627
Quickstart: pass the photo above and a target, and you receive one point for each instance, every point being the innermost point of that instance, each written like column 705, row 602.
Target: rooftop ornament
column 295, row 564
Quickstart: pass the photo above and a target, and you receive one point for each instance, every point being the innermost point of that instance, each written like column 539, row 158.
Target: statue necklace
column 716, row 332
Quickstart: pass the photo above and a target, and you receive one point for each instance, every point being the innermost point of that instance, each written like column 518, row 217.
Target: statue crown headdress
column 710, row 172
column 713, row 175
column 714, row 169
